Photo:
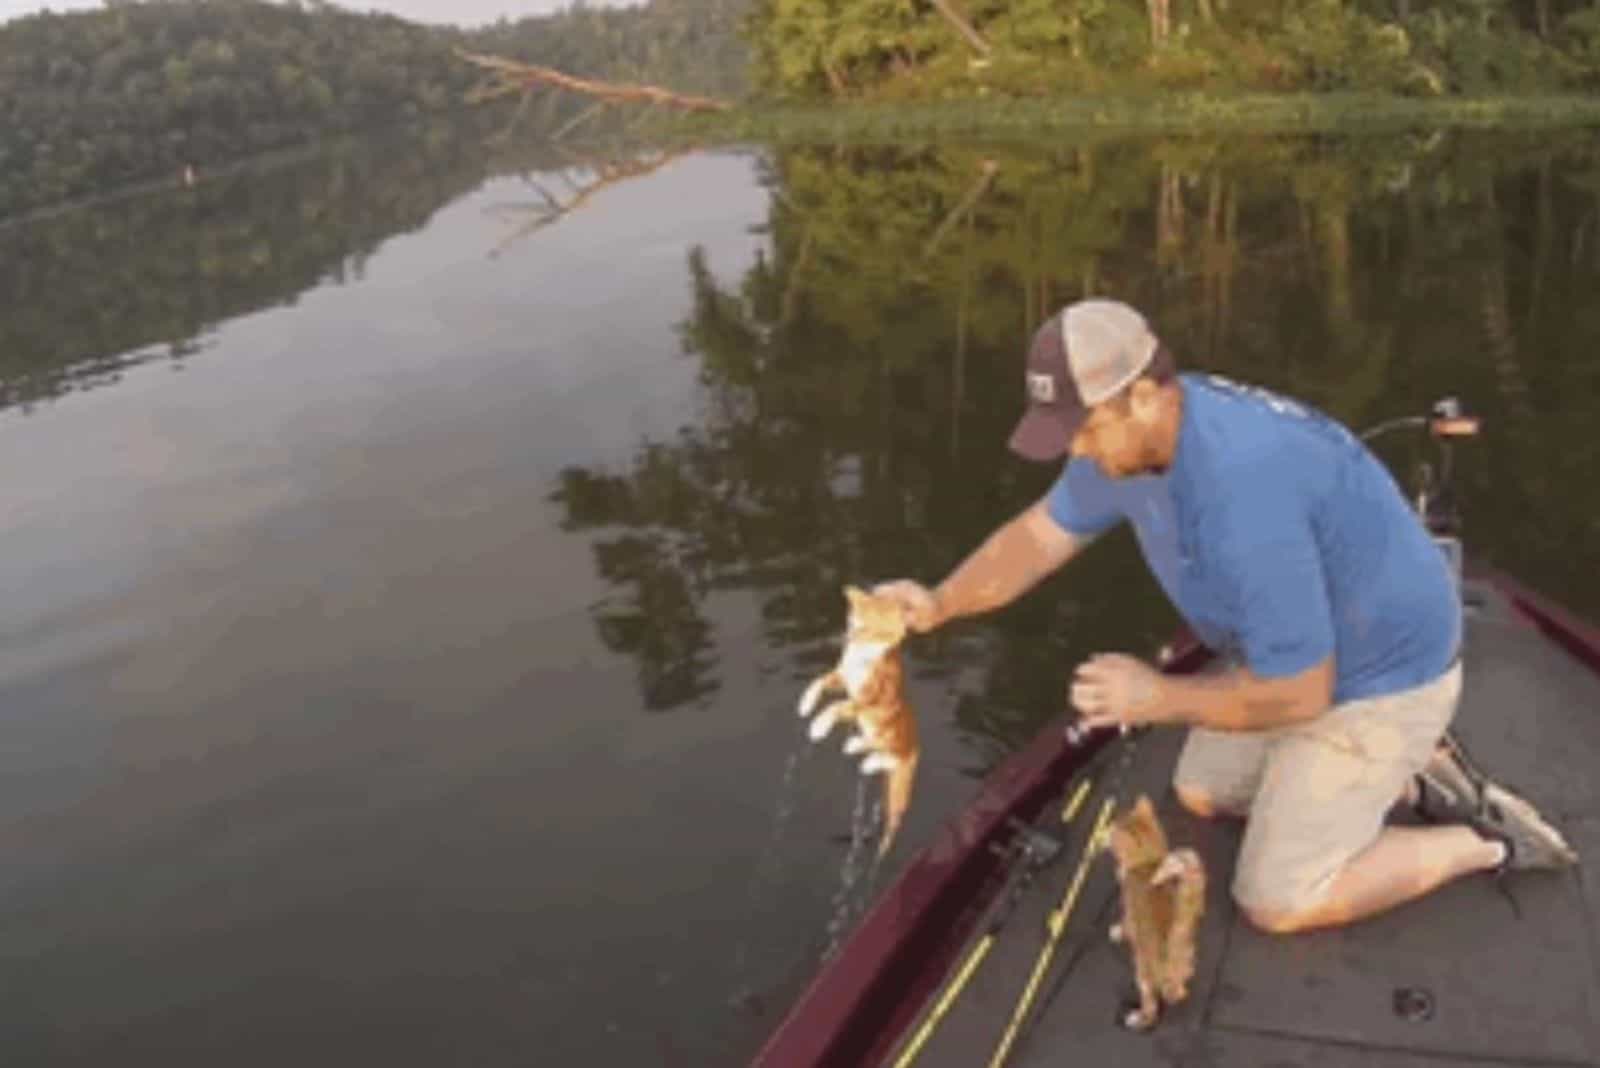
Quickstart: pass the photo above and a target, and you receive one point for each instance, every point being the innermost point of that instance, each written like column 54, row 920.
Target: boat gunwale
column 1561, row 625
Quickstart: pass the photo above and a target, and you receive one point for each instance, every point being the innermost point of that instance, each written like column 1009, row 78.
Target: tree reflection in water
column 860, row 378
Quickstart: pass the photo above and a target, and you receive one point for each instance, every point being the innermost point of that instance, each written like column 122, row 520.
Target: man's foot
column 1453, row 789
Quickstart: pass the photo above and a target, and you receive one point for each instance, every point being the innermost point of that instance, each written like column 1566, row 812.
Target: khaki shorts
column 1316, row 794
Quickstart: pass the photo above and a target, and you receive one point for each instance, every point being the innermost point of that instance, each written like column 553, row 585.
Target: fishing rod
column 1028, row 854
column 1034, row 852
column 1054, row 925
column 1056, row 922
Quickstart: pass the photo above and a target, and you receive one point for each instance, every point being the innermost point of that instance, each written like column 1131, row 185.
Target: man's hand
column 919, row 604
column 1114, row 690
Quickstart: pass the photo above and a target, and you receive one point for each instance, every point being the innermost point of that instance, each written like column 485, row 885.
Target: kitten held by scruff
column 870, row 673
column 1163, row 897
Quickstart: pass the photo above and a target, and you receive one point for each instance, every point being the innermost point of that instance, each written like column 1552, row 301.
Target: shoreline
column 994, row 117
column 278, row 157
column 281, row 156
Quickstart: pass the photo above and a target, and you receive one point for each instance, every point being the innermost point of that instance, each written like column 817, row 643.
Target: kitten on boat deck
column 1163, row 897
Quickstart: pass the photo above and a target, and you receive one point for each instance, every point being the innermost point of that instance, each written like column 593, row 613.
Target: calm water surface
column 407, row 592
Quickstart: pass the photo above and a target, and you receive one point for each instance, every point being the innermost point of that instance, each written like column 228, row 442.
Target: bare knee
column 1198, row 802
column 1282, row 910
column 1273, row 919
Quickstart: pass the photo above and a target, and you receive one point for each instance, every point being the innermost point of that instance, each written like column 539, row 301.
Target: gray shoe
column 1439, row 800
column 1530, row 841
column 1453, row 789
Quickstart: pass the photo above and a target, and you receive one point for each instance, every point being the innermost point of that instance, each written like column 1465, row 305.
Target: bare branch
column 986, row 171
column 606, row 172
column 969, row 33
column 511, row 76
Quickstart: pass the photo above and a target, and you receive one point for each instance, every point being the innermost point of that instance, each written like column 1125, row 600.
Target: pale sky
column 461, row 12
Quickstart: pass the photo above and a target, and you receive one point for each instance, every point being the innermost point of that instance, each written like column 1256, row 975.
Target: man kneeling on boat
column 1292, row 554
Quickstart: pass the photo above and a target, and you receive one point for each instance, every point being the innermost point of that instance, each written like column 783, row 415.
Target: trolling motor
column 1435, row 500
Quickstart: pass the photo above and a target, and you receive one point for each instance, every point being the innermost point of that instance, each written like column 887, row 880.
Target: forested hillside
column 95, row 100
column 689, row 45
column 839, row 48
column 90, row 101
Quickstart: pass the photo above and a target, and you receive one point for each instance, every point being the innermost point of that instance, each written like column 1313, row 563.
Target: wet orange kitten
column 870, row 673
column 1163, row 897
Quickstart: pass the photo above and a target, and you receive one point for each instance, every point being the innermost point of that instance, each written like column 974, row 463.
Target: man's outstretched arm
column 1013, row 560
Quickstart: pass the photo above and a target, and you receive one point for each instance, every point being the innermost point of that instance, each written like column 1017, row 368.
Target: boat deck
column 1512, row 971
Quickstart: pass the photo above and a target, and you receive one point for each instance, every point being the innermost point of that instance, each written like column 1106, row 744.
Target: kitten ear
column 855, row 594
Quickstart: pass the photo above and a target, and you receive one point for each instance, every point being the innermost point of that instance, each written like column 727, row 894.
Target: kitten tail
column 896, row 798
column 1189, row 902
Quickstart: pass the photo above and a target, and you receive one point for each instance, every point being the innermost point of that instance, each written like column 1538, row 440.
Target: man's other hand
column 1114, row 690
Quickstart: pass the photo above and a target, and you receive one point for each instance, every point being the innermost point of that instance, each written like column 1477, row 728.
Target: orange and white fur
column 1163, row 897
column 870, row 673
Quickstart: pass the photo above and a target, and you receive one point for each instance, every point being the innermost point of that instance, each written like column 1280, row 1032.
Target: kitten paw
column 1138, row 1011
column 813, row 694
column 854, row 744
column 1177, row 865
column 1134, row 1020
column 822, row 725
column 878, row 762
column 1118, row 935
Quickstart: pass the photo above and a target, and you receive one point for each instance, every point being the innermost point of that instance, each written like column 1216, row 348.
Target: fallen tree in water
column 508, row 76
column 601, row 173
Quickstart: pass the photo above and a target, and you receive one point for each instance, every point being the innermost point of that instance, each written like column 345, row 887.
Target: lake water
column 407, row 589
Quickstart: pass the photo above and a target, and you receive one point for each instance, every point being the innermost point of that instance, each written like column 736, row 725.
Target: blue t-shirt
column 1281, row 540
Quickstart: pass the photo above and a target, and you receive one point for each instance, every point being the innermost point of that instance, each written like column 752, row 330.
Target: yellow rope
column 1055, row 925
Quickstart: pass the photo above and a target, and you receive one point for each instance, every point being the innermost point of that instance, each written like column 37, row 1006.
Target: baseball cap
column 1081, row 356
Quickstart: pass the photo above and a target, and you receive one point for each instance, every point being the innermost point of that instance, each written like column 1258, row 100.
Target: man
column 1291, row 552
